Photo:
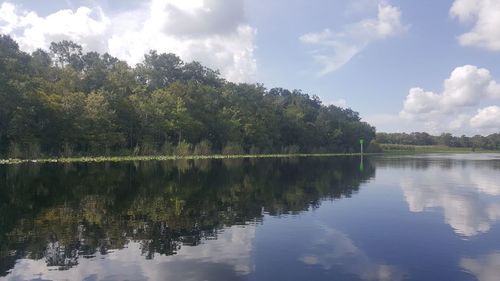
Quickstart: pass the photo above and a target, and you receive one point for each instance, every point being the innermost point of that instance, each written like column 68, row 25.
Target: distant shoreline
column 403, row 148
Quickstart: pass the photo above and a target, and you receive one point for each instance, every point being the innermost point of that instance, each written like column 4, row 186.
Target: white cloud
column 488, row 118
column 485, row 16
column 467, row 86
column 459, row 122
column 211, row 31
column 394, row 123
column 84, row 25
column 419, row 101
column 8, row 18
column 464, row 91
column 338, row 48
column 339, row 103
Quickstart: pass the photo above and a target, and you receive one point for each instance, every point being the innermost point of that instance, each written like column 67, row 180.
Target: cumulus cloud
column 419, row 101
column 211, row 31
column 8, row 17
column 335, row 49
column 467, row 88
column 485, row 18
column 84, row 25
column 488, row 117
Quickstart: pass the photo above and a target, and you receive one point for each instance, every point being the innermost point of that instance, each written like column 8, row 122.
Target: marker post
column 361, row 166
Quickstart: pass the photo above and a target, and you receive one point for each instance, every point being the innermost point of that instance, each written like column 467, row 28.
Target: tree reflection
column 64, row 212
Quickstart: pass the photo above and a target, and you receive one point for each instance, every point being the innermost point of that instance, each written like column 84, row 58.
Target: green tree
column 100, row 120
column 71, row 102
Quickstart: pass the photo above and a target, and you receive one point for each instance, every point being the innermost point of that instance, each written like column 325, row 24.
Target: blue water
column 425, row 217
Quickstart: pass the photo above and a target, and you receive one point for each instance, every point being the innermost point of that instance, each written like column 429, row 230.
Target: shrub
column 148, row 147
column 254, row 150
column 291, row 149
column 319, row 150
column 233, row 149
column 136, row 150
column 203, row 148
column 373, row 147
column 183, row 149
column 167, row 148
column 14, row 151
column 34, row 150
column 67, row 150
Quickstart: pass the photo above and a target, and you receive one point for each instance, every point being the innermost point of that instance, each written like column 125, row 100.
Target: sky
column 403, row 65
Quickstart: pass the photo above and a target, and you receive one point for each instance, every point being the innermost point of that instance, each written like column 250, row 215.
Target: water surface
column 425, row 217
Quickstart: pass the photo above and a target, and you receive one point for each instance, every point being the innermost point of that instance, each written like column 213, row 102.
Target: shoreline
column 98, row 159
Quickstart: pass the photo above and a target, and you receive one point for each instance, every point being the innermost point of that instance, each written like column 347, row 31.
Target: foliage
column 232, row 149
column 183, row 149
column 66, row 102
column 374, row 147
column 203, row 148
column 403, row 148
column 490, row 142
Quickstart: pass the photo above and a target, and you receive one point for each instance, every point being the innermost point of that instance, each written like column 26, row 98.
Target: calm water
column 395, row 218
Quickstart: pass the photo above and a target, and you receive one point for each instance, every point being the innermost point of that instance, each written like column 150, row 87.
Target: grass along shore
column 169, row 157
column 402, row 148
column 386, row 149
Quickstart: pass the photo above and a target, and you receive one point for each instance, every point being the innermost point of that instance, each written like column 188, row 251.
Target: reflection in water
column 462, row 187
column 274, row 219
column 333, row 249
column 123, row 220
column 486, row 268
column 224, row 258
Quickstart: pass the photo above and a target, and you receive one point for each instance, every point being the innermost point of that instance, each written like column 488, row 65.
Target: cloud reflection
column 485, row 268
column 226, row 258
column 468, row 195
column 335, row 249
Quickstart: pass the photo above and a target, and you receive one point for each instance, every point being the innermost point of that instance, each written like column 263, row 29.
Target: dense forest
column 65, row 102
column 490, row 142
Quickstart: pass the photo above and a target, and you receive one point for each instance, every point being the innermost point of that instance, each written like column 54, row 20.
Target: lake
column 419, row 217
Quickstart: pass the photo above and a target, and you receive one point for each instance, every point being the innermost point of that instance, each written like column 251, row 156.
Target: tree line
column 65, row 102
column 490, row 142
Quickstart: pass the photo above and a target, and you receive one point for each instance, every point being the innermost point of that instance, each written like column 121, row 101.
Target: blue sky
column 404, row 65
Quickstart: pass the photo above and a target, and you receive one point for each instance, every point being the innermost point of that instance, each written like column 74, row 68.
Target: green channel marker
column 361, row 166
